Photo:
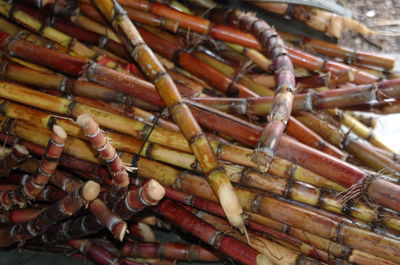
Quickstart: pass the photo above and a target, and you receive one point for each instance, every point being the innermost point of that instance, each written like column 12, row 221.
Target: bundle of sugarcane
column 123, row 117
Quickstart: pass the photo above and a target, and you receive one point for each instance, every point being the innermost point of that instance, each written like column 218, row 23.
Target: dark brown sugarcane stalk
column 174, row 251
column 179, row 111
column 35, row 184
column 285, row 87
column 97, row 253
column 16, row 216
column 228, row 245
column 59, row 211
column 13, row 160
column 108, row 154
column 138, row 198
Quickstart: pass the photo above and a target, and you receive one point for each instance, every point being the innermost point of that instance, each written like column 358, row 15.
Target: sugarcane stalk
column 139, row 198
column 188, row 61
column 59, row 211
column 50, row 194
column 34, row 24
column 350, row 55
column 314, row 223
column 318, row 19
column 367, row 120
column 97, row 253
column 270, row 227
column 35, row 184
column 141, row 231
column 328, row 80
column 360, row 129
column 279, row 167
column 16, row 216
column 278, row 254
column 107, row 153
column 181, row 114
column 337, row 98
column 339, row 171
column 228, row 245
column 76, row 66
column 105, row 76
column 285, row 87
column 221, row 32
column 374, row 158
column 293, row 127
column 13, row 160
column 174, row 251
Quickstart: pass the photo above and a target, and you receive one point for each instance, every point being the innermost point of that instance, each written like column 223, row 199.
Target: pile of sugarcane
column 120, row 117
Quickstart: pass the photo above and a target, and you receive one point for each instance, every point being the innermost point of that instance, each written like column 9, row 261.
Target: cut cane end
column 153, row 192
column 83, row 120
column 231, row 205
column 147, row 233
column 119, row 231
column 59, row 133
column 263, row 159
column 21, row 149
column 90, row 190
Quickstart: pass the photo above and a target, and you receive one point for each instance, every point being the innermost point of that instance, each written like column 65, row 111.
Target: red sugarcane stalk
column 97, row 253
column 16, row 216
column 135, row 200
column 13, row 160
column 49, row 216
column 34, row 185
column 206, row 232
column 174, row 251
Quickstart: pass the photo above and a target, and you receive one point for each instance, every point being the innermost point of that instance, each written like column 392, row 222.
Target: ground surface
column 380, row 16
